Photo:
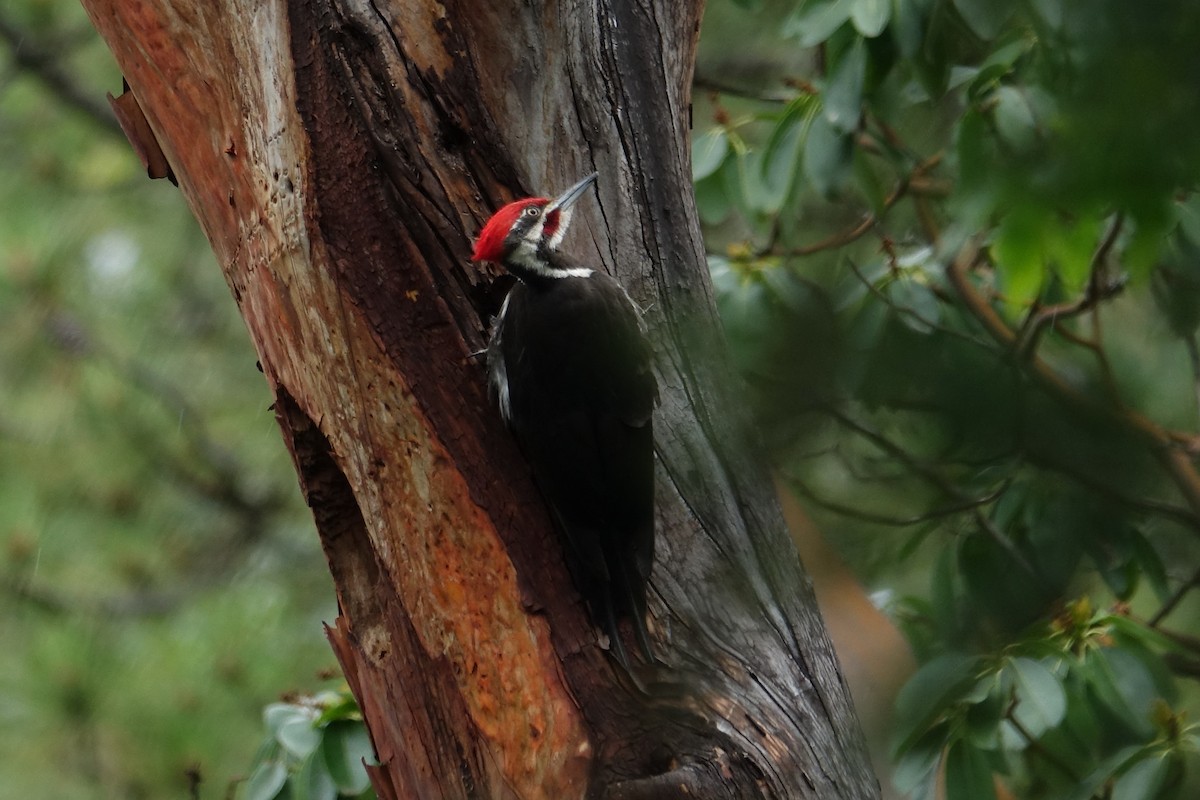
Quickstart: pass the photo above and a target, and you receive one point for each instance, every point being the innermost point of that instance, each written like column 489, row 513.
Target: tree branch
column 947, row 487
column 1037, row 747
column 711, row 84
column 1095, row 292
column 1174, row 600
column 882, row 519
column 31, row 56
column 1167, row 446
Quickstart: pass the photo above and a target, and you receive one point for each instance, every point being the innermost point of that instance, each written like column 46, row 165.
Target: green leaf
column 817, row 23
column 996, row 66
column 339, row 705
column 843, row 95
column 1051, row 12
column 1146, row 244
column 968, row 773
column 708, row 153
column 1081, row 731
column 918, row 307
column 760, row 197
column 862, row 339
column 732, row 176
column 1139, row 636
column 299, row 736
column 1151, row 565
column 778, row 166
column 916, row 771
column 854, row 285
column 909, row 29
column 975, row 147
column 1070, row 245
column 293, row 727
column 985, row 17
column 786, row 290
column 869, row 182
column 1018, row 249
column 313, row 781
column 827, row 157
column 276, row 714
column 743, row 306
column 724, row 278
column 1143, row 780
column 1015, row 121
column 712, row 200
column 798, row 113
column 266, row 781
column 1115, row 764
column 988, row 702
column 936, row 686
column 1041, row 700
column 946, row 592
column 346, row 745
column 870, row 17
column 1187, row 213
column 1123, row 684
column 1121, row 577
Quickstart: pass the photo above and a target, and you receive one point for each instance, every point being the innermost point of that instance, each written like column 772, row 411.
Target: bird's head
column 524, row 230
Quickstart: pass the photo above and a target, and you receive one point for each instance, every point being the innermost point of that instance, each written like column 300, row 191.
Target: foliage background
column 954, row 244
column 161, row 582
column 955, row 248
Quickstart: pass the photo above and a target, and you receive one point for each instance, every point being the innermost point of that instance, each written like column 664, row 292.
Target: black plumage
column 572, row 369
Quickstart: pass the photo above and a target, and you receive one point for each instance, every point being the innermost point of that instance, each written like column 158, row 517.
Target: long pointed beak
column 564, row 200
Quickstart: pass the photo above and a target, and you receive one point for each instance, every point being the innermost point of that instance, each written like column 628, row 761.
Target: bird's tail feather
column 629, row 592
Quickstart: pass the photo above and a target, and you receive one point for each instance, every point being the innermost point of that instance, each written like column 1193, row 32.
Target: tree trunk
column 340, row 155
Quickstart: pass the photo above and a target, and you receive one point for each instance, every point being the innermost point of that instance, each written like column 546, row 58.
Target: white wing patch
column 500, row 381
column 497, row 369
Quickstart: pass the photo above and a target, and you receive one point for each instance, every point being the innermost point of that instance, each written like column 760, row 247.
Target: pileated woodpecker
column 571, row 368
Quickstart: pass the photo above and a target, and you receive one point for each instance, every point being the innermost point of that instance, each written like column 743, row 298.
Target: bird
column 571, row 368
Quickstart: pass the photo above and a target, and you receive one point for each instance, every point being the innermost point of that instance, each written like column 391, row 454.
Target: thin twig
column 1185, row 640
column 947, row 488
column 1174, row 600
column 1037, row 747
column 894, row 522
column 1095, row 292
column 1182, row 665
column 905, row 311
column 1180, row 515
column 836, row 240
column 912, row 182
column 711, row 84
column 1107, row 376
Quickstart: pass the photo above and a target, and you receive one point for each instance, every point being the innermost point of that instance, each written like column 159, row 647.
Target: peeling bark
column 340, row 155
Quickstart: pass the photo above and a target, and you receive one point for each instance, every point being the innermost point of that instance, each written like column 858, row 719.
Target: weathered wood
column 340, row 154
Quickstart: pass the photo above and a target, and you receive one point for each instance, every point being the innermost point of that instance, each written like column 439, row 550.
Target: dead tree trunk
column 340, row 155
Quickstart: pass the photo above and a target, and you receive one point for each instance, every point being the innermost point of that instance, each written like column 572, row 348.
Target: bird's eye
column 532, row 211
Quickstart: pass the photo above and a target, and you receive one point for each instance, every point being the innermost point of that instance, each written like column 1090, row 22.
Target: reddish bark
column 340, row 155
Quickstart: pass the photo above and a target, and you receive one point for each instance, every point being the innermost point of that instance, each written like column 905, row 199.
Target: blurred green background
column 1003, row 451
column 161, row 580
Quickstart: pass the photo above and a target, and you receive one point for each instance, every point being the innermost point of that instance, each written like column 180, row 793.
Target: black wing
column 572, row 365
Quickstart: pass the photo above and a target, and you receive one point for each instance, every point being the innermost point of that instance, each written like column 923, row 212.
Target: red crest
column 490, row 244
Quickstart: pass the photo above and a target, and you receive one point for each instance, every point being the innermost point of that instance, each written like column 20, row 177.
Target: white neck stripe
column 525, row 255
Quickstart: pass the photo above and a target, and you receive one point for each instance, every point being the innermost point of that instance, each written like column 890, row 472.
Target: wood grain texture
column 340, row 155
